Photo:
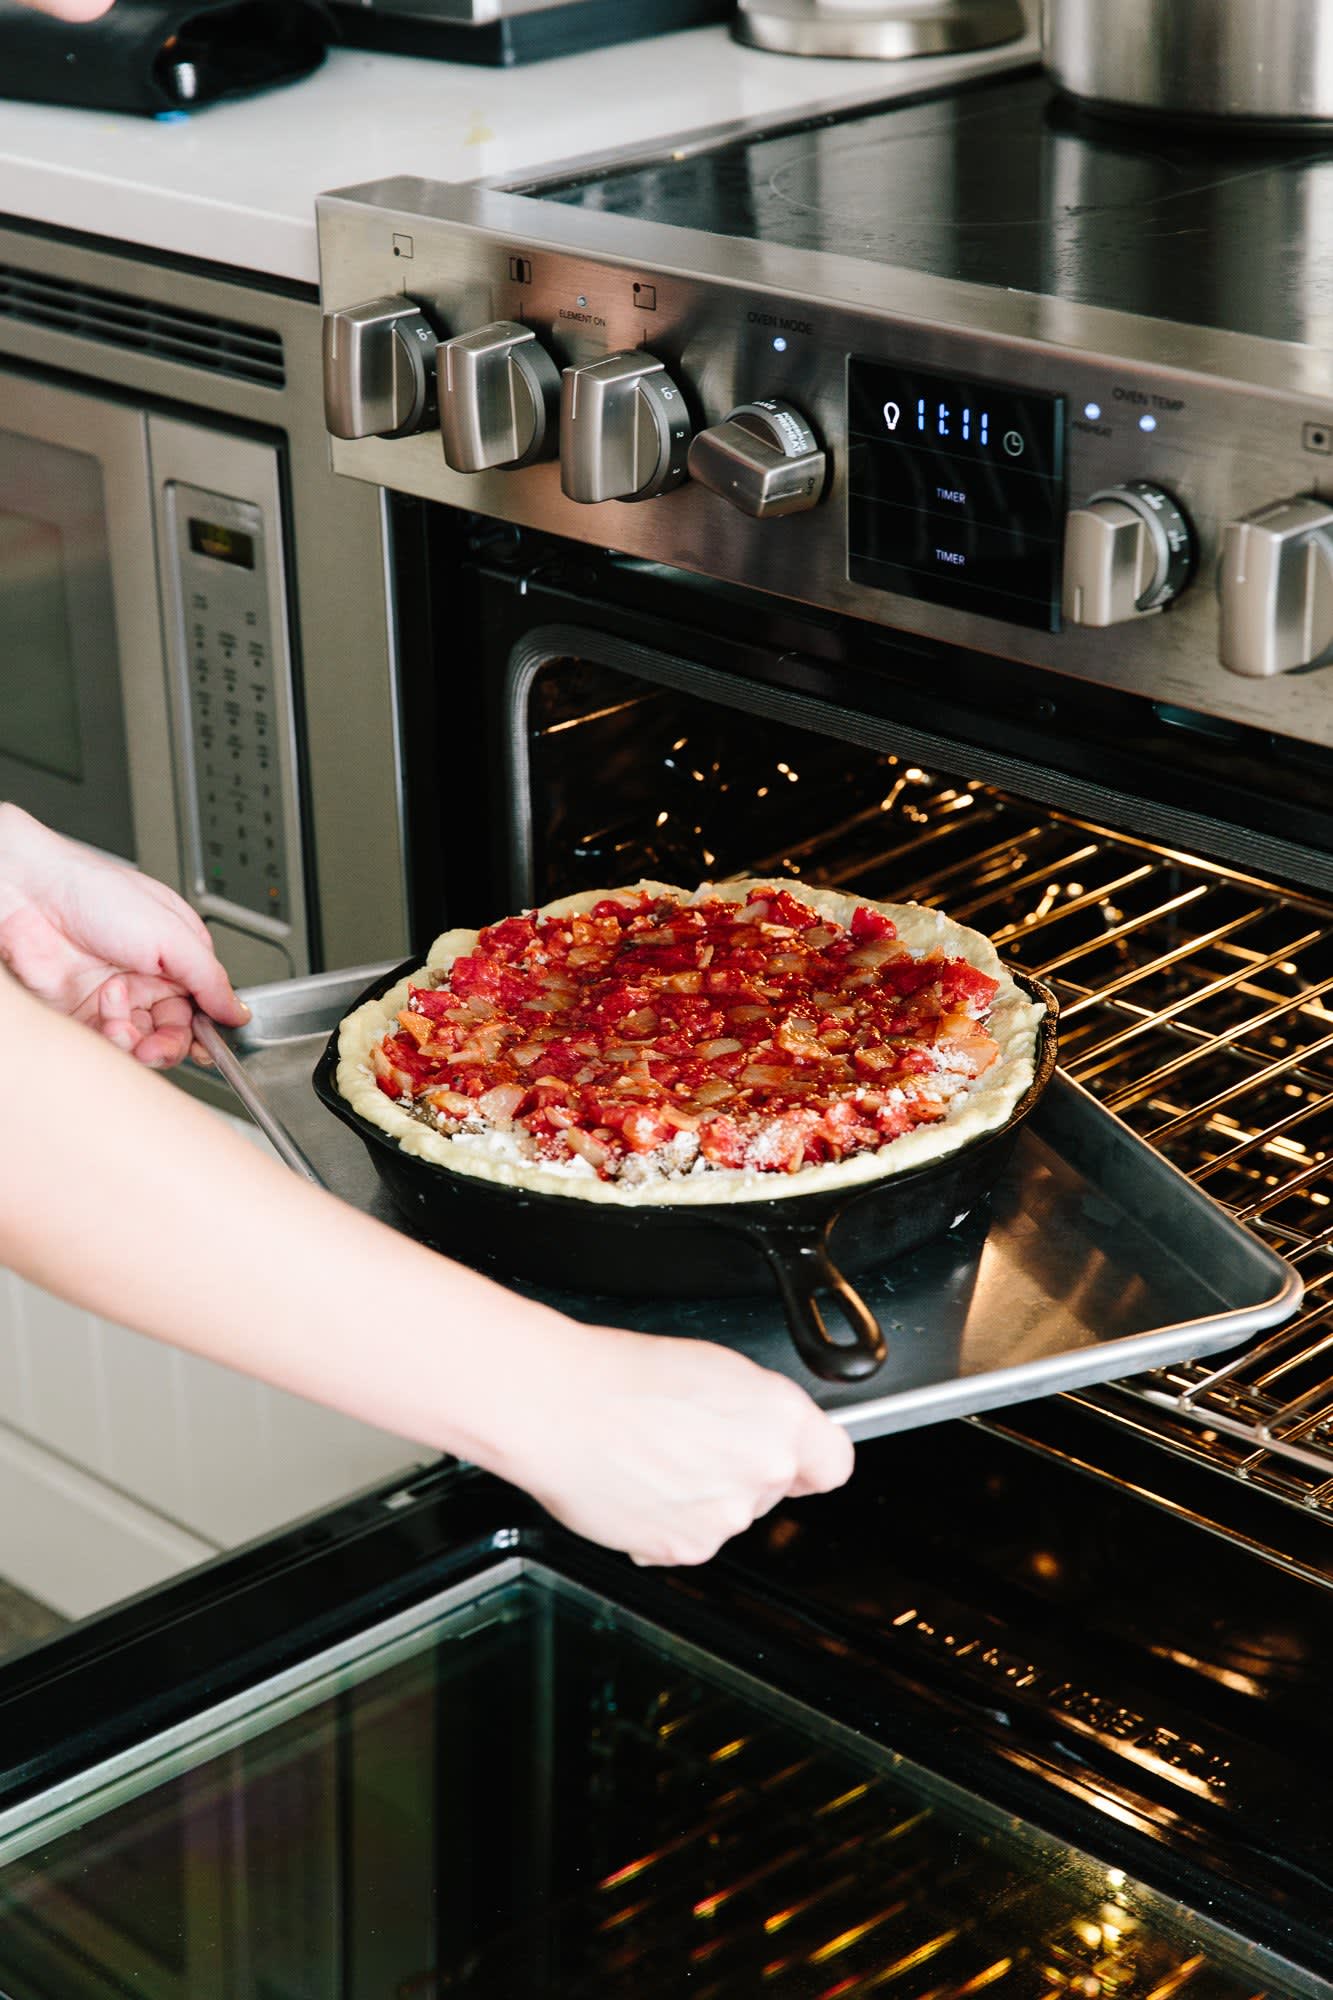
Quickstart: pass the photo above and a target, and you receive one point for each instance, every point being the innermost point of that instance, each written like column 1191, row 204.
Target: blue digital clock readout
column 943, row 420
column 956, row 491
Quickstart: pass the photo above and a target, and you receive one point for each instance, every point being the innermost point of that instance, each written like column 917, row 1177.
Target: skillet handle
column 803, row 1268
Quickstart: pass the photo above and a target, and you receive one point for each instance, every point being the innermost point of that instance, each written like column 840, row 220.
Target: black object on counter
column 703, row 1250
column 156, row 56
column 532, row 34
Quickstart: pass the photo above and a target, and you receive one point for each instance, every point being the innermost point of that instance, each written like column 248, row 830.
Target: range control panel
column 1145, row 506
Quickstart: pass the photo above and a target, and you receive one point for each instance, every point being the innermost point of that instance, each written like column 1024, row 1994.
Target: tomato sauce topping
column 650, row 1036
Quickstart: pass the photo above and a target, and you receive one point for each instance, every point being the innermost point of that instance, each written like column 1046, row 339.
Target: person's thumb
column 194, row 965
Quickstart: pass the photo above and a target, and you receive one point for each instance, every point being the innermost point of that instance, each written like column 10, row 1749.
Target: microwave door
column 84, row 719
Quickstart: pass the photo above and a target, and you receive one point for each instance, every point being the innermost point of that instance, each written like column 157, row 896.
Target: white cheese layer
column 493, row 1154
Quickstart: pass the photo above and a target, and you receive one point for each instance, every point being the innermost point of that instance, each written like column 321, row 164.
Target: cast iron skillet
column 709, row 1250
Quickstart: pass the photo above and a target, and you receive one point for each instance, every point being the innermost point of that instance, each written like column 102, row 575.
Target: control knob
column 624, row 430
column 764, row 459
column 499, row 393
column 1275, row 585
column 379, row 369
column 1128, row 551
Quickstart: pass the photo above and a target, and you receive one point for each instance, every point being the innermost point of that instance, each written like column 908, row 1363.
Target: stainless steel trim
column 115, row 1780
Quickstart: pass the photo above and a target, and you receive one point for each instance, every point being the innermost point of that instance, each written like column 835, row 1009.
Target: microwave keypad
column 231, row 679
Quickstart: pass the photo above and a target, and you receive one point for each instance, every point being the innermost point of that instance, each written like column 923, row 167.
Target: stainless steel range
column 992, row 439
column 930, row 503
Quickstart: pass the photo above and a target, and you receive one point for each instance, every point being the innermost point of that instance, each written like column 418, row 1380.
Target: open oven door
column 432, row 1745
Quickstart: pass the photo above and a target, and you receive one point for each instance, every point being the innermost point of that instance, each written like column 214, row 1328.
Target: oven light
column 1092, row 411
column 1147, row 422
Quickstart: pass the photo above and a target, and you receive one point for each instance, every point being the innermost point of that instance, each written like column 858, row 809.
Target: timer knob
column 499, row 396
column 764, row 459
column 379, row 369
column 1128, row 551
column 624, row 430
column 1275, row 585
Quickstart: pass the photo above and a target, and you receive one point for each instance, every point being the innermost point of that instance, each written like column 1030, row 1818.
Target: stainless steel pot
column 886, row 30
column 1264, row 62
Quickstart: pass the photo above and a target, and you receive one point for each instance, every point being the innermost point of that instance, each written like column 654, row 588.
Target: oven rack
column 1197, row 1004
column 763, row 1862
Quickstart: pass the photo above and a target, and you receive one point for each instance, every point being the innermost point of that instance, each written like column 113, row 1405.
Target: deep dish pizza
column 651, row 1044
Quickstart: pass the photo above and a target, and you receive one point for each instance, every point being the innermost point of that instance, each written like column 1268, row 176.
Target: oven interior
column 1196, row 998
column 531, row 1792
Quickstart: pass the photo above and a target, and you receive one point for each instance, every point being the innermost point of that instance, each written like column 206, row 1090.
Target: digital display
column 228, row 545
column 956, row 491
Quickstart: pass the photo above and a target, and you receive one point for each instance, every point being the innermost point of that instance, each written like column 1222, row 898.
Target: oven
column 1037, row 1705
column 934, row 504
column 1098, row 763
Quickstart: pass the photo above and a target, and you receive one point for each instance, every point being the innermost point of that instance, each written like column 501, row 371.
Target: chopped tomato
column 773, row 1037
column 867, row 924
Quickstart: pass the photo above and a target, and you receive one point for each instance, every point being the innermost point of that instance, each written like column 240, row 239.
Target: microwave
column 197, row 648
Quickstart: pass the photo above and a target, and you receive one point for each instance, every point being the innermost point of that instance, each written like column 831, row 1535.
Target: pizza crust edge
column 1013, row 1024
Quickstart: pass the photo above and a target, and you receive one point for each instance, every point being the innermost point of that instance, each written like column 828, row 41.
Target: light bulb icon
column 891, row 415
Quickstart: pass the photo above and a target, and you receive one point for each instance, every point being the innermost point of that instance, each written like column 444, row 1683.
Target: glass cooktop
column 1007, row 184
column 520, row 1792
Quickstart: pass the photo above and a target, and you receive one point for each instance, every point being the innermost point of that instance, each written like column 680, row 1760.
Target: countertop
column 236, row 183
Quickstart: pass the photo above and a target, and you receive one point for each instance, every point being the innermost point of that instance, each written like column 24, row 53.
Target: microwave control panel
column 1142, row 505
column 233, row 699
column 236, row 769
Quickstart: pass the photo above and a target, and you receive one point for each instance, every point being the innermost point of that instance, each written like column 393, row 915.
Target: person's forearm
column 122, row 1195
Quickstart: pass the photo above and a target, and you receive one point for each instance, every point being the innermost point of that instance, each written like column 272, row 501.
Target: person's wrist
column 24, row 842
column 25, row 845
column 531, row 1362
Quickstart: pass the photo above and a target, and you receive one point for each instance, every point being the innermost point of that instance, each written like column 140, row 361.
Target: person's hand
column 106, row 945
column 665, row 1448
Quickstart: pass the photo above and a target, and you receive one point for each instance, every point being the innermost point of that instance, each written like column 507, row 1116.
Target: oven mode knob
column 499, row 396
column 624, row 430
column 1275, row 586
column 1128, row 551
column 764, row 459
column 379, row 369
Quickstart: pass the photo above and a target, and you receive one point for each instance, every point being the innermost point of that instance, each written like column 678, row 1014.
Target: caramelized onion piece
column 589, row 1149
column 500, row 1104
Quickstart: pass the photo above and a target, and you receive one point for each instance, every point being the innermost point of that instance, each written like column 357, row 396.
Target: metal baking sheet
column 1093, row 1259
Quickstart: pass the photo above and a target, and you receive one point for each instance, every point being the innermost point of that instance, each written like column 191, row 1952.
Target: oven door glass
column 521, row 1791
column 72, row 501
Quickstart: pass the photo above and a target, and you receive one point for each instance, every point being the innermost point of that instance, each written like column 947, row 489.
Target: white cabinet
column 123, row 1459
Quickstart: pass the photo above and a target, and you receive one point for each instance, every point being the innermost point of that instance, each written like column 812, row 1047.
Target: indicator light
column 1147, row 423
column 1092, row 411
column 779, row 344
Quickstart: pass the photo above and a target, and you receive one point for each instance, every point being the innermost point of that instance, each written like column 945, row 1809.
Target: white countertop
column 236, row 183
